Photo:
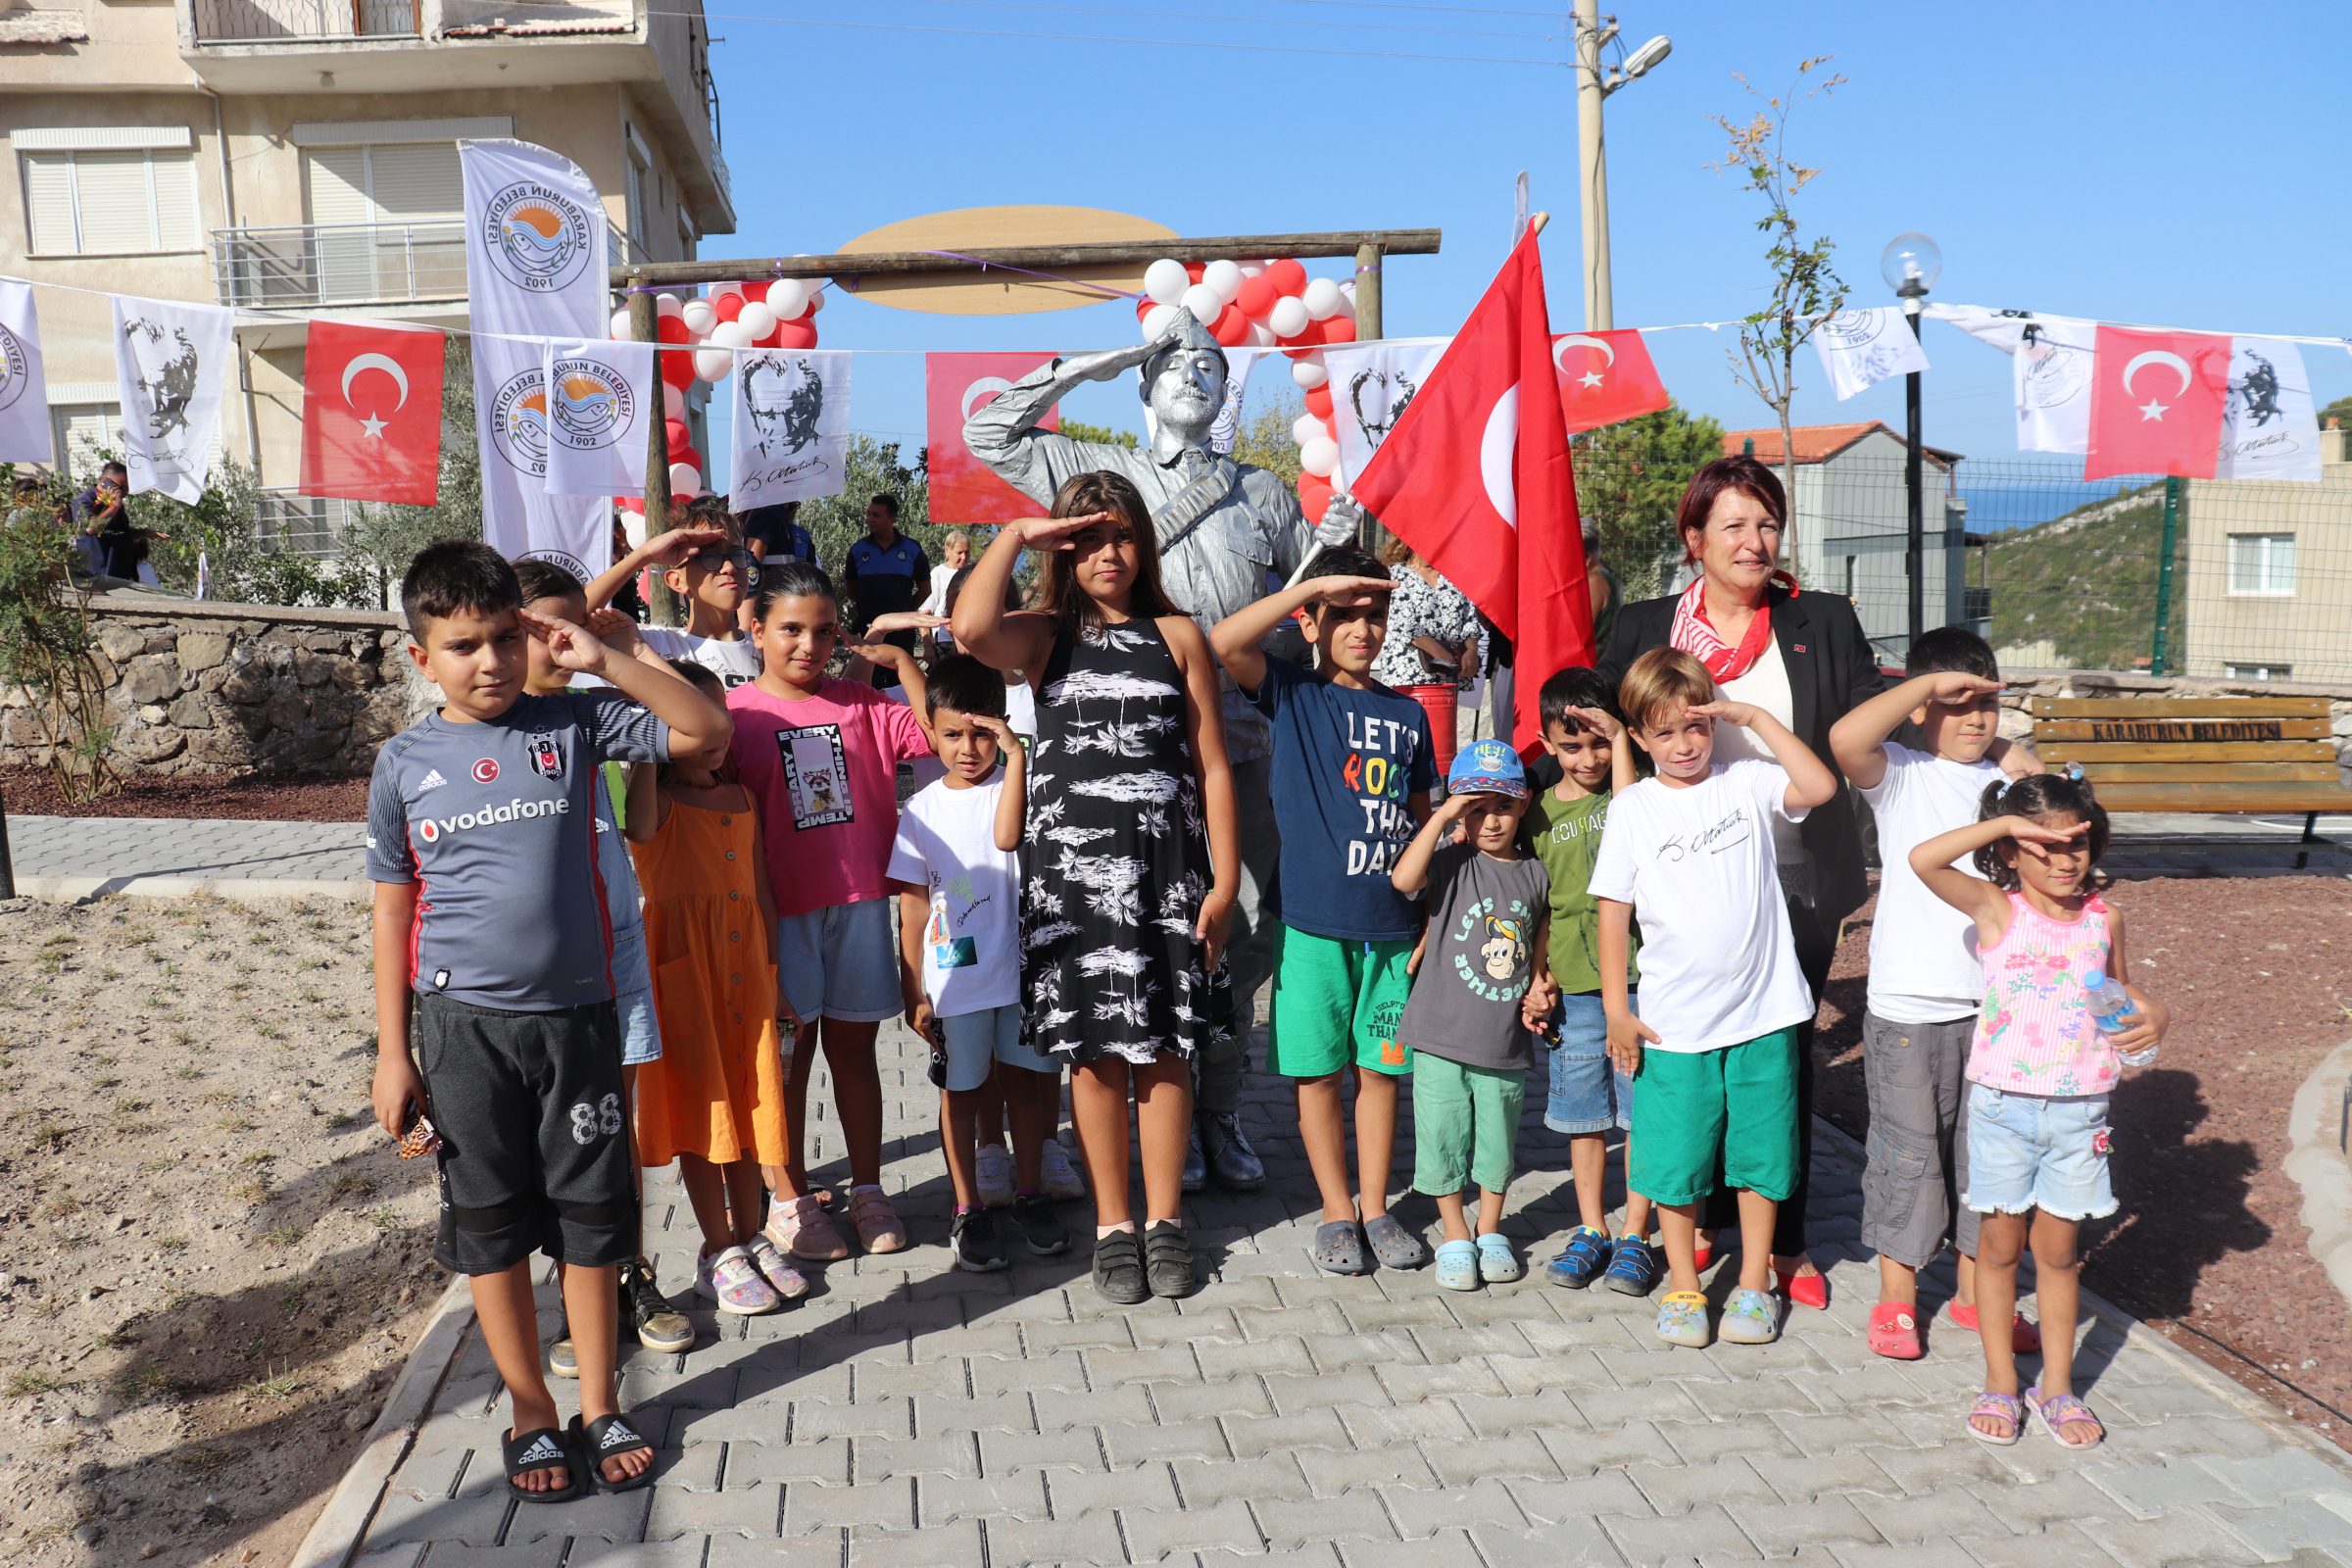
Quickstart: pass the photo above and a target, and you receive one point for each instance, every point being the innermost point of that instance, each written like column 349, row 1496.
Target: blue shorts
column 841, row 963
column 978, row 1041
column 2028, row 1151
column 1589, row 1094
column 633, row 999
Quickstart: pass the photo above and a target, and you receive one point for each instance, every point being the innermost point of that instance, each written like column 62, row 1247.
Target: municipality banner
column 597, row 396
column 171, row 364
column 792, row 426
column 23, row 396
column 534, row 271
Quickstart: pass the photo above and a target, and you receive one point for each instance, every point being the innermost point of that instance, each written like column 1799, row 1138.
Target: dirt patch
column 212, row 1266
column 2207, row 1246
column 244, row 797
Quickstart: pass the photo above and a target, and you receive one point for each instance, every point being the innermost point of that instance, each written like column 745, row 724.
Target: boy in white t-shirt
column 705, row 566
column 1925, row 983
column 1722, row 995
column 958, row 868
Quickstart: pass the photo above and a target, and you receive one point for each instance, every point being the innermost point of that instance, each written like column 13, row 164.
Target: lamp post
column 1592, row 32
column 1910, row 265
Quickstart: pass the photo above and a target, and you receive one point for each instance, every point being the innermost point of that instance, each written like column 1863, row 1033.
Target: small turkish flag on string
column 372, row 413
column 956, row 386
column 1605, row 377
column 2156, row 403
column 1487, row 497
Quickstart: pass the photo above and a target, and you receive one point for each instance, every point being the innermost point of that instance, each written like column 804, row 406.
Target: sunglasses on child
column 716, row 557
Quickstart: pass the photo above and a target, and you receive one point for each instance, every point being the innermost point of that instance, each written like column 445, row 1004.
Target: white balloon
column 756, row 320
column 699, row 317
column 1306, row 427
column 787, row 299
column 1259, row 335
column 1158, row 320
column 717, row 290
column 621, row 327
column 667, row 305
column 730, row 335
column 1309, row 372
column 1321, row 297
column 1288, row 318
column 816, row 299
column 674, row 404
column 1165, row 280
column 1206, row 303
column 1223, row 277
column 713, row 365
column 1319, row 457
column 684, row 480
column 1253, row 268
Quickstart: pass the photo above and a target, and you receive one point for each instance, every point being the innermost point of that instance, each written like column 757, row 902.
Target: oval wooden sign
column 994, row 293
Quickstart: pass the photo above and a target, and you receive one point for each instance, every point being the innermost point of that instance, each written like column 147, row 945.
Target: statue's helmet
column 1190, row 334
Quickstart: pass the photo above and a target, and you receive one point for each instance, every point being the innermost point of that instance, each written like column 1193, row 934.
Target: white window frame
column 2260, row 671
column 640, row 190
column 2260, row 551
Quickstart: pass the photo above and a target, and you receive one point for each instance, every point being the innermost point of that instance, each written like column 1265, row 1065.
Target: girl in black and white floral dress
column 1131, row 850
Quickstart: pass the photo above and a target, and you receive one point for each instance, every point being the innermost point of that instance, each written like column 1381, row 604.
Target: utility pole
column 1593, row 164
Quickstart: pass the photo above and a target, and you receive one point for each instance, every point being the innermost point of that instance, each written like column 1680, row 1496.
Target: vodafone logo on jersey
column 485, row 771
column 433, row 828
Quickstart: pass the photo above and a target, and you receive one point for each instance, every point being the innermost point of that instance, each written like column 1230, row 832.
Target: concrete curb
column 342, row 1525
column 236, row 890
column 2317, row 1164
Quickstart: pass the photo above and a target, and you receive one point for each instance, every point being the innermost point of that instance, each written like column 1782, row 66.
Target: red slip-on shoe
column 2024, row 1338
column 1804, row 1290
column 1895, row 1332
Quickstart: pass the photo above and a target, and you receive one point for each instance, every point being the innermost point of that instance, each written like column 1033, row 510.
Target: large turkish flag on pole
column 2156, row 403
column 963, row 489
column 1485, row 496
column 372, row 413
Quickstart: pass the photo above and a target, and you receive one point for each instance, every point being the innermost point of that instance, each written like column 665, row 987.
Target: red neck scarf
column 1697, row 636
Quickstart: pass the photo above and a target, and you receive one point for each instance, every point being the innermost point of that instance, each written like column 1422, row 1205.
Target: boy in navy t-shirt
column 491, row 926
column 1353, row 774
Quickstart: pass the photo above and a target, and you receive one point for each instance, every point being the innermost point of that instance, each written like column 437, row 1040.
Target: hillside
column 2085, row 583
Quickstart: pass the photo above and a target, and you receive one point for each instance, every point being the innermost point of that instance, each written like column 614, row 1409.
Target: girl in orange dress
column 714, row 1100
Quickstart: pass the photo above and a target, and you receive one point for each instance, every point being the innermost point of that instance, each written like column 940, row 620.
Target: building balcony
column 314, row 265
column 299, row 22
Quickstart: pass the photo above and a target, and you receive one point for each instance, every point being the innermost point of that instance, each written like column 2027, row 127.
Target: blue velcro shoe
column 1582, row 1261
column 1633, row 1267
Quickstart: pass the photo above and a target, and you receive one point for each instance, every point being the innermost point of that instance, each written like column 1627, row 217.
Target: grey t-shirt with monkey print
column 1483, row 915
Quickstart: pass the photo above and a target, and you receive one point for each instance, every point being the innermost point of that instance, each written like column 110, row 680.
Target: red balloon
column 1143, row 307
column 1229, row 326
column 688, row 456
column 1257, row 295
column 676, row 437
column 727, row 307
column 795, row 336
column 678, row 369
column 1338, row 328
column 1306, row 343
column 630, row 503
column 1194, row 269
column 755, row 290
column 1287, row 275
column 671, row 329
column 1315, row 496
column 1318, row 401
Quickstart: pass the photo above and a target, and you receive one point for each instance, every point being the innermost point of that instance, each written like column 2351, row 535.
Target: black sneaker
column 972, row 1237
column 1168, row 1260
column 1119, row 1268
column 1038, row 1226
column 658, row 1326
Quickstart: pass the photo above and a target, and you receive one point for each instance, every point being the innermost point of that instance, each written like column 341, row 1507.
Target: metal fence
column 308, row 20
column 302, row 525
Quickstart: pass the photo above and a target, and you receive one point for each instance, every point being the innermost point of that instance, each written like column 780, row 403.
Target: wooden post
column 645, row 323
column 1367, row 290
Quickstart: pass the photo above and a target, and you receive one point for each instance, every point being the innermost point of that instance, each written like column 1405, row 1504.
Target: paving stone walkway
column 121, row 849
column 906, row 1413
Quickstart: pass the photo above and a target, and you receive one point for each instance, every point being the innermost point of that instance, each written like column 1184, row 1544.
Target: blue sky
column 2129, row 163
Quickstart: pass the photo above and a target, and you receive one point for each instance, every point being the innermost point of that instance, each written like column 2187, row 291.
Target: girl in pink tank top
column 2038, row 1074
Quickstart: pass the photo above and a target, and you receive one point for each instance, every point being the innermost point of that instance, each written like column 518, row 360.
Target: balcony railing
column 305, row 20
column 303, row 525
column 316, row 264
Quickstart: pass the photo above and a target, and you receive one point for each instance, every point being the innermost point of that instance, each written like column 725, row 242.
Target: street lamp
column 1910, row 264
column 1592, row 31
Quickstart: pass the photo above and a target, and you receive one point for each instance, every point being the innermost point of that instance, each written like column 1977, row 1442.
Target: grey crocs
column 1393, row 1245
column 1339, row 1247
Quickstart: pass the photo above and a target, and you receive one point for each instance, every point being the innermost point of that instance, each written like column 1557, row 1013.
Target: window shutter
column 117, row 213
column 179, row 224
column 337, row 177
column 81, row 429
column 49, row 203
column 418, row 182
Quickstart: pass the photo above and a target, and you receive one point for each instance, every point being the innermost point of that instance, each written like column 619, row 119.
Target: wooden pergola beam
column 1040, row 258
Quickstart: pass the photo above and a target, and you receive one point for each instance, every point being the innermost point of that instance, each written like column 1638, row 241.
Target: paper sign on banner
column 171, row 364
column 24, row 395
column 791, row 426
column 534, row 271
column 963, row 489
column 1371, row 385
column 597, row 396
column 1859, row 349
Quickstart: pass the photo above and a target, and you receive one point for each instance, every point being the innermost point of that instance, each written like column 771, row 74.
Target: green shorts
column 1465, row 1125
column 1337, row 1004
column 1738, row 1102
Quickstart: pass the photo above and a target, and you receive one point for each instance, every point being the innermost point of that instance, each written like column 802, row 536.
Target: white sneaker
column 995, row 1177
column 1062, row 1180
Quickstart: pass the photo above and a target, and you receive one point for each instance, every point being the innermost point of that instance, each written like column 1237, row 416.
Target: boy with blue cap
column 1475, row 1004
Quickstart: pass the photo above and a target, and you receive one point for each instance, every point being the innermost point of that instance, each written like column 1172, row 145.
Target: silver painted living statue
column 1227, row 532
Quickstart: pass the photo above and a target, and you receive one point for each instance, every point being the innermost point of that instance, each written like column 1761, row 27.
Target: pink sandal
column 2063, row 1409
column 2001, row 1407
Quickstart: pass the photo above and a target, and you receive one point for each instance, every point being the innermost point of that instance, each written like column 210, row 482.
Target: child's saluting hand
column 1059, row 533
column 1955, row 686
column 569, row 647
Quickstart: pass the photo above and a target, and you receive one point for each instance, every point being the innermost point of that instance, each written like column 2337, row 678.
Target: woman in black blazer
column 1813, row 668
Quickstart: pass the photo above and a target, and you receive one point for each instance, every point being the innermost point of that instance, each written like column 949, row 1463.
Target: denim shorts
column 977, row 1040
column 1589, row 1094
column 841, row 961
column 2035, row 1151
column 633, row 999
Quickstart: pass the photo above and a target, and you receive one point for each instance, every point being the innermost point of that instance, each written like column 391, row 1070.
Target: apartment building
column 299, row 157
column 2269, row 574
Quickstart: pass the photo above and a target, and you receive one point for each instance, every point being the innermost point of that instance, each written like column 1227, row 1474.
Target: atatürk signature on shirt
column 1730, row 833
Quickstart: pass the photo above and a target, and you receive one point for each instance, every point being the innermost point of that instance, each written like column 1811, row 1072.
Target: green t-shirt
column 1565, row 835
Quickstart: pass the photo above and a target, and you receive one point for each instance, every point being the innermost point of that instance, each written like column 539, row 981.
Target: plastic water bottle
column 2112, row 1010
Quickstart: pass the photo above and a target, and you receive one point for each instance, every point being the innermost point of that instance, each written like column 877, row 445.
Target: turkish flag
column 2156, row 403
column 1605, row 377
column 372, row 413
column 963, row 489
column 1486, row 497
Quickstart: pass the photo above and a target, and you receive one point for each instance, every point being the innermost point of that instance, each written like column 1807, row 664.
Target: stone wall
column 2027, row 684
column 219, row 687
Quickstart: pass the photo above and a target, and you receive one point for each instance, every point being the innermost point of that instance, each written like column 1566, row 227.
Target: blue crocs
column 1497, row 1260
column 1581, row 1262
column 1457, row 1265
column 1633, row 1267
column 1750, row 1317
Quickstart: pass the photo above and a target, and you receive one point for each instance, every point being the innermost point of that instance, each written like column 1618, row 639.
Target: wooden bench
column 2210, row 754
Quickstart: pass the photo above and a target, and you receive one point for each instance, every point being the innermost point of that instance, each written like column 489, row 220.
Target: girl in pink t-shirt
column 820, row 758
column 2039, row 1073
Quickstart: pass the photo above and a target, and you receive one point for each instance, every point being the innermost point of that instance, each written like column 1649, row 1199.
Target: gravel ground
column 211, row 1262
column 244, row 797
column 2208, row 1245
